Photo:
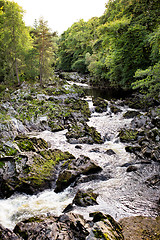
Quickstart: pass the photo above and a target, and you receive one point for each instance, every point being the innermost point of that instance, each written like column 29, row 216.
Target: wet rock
column 91, row 177
column 133, row 149
column 115, row 109
column 101, row 105
column 30, row 144
column 155, row 155
column 110, row 152
column 132, row 169
column 153, row 181
column 32, row 172
column 69, row 208
column 96, row 150
column 6, row 234
column 156, row 121
column 105, row 227
column 140, row 227
column 146, row 151
column 154, row 135
column 85, row 198
column 127, row 135
column 81, row 165
column 68, row 226
column 78, row 146
column 130, row 114
column 139, row 121
column 82, row 133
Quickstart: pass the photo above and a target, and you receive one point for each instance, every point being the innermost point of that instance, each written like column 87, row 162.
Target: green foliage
column 14, row 41
column 44, row 48
column 149, row 82
column 114, row 46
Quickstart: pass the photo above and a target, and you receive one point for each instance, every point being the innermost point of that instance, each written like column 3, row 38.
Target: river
column 121, row 193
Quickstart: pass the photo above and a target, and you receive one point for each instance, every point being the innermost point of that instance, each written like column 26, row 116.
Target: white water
column 123, row 194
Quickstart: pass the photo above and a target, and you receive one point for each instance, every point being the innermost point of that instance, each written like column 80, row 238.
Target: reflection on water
column 106, row 93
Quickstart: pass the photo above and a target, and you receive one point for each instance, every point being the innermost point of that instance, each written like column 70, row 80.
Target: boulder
column 130, row 114
column 6, row 234
column 31, row 172
column 72, row 170
column 100, row 104
column 105, row 227
column 140, row 227
column 79, row 133
column 68, row 226
column 85, row 198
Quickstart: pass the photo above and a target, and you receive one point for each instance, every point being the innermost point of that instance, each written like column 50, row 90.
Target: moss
column 7, row 151
column 33, row 219
column 128, row 135
column 43, row 165
column 2, row 164
column 26, row 145
column 96, row 136
column 100, row 235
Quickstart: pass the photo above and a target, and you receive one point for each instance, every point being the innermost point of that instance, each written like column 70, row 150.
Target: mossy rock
column 84, row 133
column 101, row 105
column 105, row 227
column 30, row 144
column 73, row 169
column 131, row 114
column 115, row 109
column 7, row 150
column 127, row 135
column 85, row 198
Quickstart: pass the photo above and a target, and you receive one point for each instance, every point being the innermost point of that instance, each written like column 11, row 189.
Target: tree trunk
column 17, row 75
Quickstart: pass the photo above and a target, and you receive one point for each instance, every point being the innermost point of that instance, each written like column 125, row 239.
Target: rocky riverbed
column 73, row 167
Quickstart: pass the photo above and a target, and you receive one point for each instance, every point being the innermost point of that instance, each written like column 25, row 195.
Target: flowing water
column 121, row 193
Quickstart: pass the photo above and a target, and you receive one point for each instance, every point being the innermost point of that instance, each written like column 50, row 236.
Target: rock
column 6, row 234
column 140, row 227
column 81, row 165
column 115, row 109
column 101, row 105
column 110, row 152
column 139, row 121
column 32, row 172
column 154, row 135
column 30, row 144
column 68, row 208
column 127, row 135
column 78, row 147
column 105, row 227
column 132, row 169
column 156, row 121
column 82, row 133
column 96, row 150
column 147, row 151
column 85, row 198
column 130, row 114
column 153, row 181
column 155, row 155
column 68, row 226
column 7, row 149
column 133, row 149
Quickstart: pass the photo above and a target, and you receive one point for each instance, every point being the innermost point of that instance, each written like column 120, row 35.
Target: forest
column 120, row 49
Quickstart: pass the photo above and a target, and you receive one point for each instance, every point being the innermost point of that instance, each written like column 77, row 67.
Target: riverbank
column 45, row 132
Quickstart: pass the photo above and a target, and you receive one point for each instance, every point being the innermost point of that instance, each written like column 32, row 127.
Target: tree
column 148, row 80
column 44, row 44
column 15, row 40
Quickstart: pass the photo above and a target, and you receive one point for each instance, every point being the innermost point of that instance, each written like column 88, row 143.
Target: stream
column 121, row 193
